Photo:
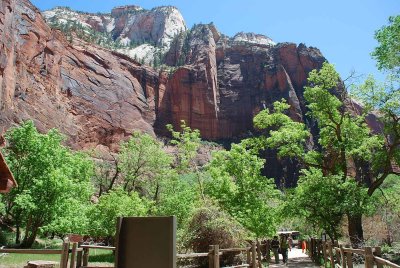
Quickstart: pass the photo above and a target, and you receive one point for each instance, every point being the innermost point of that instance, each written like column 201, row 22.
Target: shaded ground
column 296, row 259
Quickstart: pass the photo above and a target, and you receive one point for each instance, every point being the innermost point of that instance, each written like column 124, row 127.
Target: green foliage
column 143, row 164
column 178, row 197
column 50, row 178
column 2, row 207
column 387, row 53
column 237, row 184
column 116, row 203
column 285, row 134
column 323, row 200
column 188, row 142
column 343, row 137
column 384, row 100
column 387, row 205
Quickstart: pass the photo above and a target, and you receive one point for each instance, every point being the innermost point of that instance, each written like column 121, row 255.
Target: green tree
column 187, row 142
column 323, row 200
column 179, row 197
column 143, row 164
column 382, row 101
column 114, row 204
column 237, row 184
column 106, row 172
column 387, row 203
column 49, row 177
column 387, row 53
column 344, row 137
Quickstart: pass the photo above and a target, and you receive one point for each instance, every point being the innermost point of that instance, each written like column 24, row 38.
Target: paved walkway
column 296, row 259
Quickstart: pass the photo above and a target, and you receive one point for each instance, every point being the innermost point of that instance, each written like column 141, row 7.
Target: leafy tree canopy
column 50, row 178
column 387, row 53
column 237, row 184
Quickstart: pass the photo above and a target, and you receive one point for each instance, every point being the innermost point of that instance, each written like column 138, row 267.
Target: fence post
column 73, row 255
column 64, row 255
column 85, row 256
column 211, row 256
column 343, row 257
column 79, row 257
column 324, row 252
column 259, row 255
column 378, row 253
column 369, row 257
column 248, row 256
column 330, row 251
column 253, row 255
column 349, row 258
column 216, row 256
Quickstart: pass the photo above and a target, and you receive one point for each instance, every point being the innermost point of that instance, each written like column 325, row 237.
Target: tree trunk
column 355, row 229
column 17, row 235
column 29, row 238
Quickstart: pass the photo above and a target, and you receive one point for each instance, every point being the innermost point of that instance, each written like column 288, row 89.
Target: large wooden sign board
column 146, row 242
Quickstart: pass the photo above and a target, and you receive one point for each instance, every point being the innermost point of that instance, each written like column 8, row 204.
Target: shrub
column 209, row 225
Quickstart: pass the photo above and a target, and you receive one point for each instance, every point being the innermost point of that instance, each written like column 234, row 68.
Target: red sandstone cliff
column 92, row 95
column 224, row 83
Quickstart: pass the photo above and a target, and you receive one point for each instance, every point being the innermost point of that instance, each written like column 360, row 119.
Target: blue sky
column 342, row 29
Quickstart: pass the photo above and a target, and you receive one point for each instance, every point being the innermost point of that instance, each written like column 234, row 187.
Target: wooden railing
column 83, row 256
column 342, row 257
column 80, row 254
column 64, row 252
column 253, row 255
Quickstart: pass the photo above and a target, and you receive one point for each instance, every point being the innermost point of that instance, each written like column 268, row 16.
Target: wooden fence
column 339, row 256
column 253, row 256
column 80, row 254
column 64, row 252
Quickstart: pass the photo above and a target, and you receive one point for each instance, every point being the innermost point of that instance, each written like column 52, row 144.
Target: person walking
column 284, row 245
column 303, row 246
column 275, row 248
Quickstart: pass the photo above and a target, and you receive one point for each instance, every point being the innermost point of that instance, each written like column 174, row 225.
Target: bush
column 116, row 203
column 211, row 226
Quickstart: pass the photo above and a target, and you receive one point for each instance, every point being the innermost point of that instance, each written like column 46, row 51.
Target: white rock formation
column 253, row 38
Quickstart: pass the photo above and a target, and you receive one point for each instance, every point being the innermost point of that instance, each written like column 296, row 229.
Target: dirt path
column 296, row 259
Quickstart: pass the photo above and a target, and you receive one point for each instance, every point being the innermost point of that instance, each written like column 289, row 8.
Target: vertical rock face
column 225, row 82
column 92, row 95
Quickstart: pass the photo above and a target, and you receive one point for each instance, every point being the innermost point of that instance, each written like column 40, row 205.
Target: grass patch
column 20, row 260
column 96, row 257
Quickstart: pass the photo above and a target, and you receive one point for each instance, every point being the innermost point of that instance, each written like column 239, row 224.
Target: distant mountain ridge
column 140, row 33
column 144, row 35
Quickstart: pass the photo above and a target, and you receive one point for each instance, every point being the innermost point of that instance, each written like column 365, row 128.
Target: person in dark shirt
column 275, row 248
column 284, row 245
